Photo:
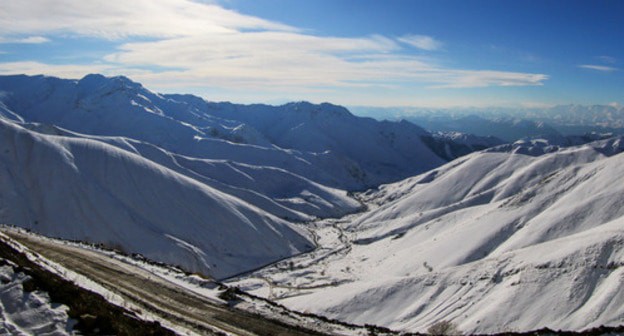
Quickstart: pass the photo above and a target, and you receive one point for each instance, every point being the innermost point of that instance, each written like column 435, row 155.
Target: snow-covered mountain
column 492, row 242
column 182, row 180
column 323, row 143
column 87, row 190
column 608, row 116
column 516, row 237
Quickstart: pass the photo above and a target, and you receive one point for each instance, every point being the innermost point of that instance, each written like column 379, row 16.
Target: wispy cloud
column 421, row 42
column 205, row 45
column 602, row 68
column 607, row 59
column 484, row 78
column 25, row 40
column 33, row 40
column 68, row 70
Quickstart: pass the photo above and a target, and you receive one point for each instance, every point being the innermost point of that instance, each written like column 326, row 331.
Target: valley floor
column 329, row 265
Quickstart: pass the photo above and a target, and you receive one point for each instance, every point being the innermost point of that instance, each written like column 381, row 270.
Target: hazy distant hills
column 510, row 124
column 506, row 129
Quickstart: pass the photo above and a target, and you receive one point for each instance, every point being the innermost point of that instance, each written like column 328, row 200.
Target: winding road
column 154, row 294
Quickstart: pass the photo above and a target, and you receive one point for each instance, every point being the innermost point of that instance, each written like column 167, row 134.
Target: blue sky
column 364, row 52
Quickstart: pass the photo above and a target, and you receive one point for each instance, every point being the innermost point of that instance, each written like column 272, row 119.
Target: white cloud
column 205, row 45
column 602, row 68
column 421, row 42
column 114, row 19
column 33, row 40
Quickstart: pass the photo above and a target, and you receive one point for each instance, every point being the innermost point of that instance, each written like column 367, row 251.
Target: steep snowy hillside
column 87, row 190
column 312, row 141
column 492, row 242
column 274, row 190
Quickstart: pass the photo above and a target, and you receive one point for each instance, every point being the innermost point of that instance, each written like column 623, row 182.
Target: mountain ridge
column 97, row 105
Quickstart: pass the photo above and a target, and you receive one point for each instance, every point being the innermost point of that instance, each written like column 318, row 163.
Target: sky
column 422, row 53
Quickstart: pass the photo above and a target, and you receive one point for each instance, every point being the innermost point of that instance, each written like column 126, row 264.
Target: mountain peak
column 97, row 81
column 324, row 108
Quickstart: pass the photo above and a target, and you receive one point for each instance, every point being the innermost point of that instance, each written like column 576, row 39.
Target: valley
column 313, row 232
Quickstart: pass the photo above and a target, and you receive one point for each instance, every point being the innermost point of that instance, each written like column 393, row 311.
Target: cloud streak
column 25, row 40
column 205, row 45
column 421, row 42
column 602, row 68
column 607, row 59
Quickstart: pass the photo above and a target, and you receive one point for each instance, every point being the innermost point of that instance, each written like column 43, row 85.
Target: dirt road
column 154, row 294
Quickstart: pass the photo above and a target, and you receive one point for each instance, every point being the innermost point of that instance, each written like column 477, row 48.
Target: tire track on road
column 154, row 294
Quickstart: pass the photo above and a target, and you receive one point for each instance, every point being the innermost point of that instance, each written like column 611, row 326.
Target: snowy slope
column 385, row 151
column 87, row 190
column 540, row 146
column 312, row 141
column 492, row 241
column 272, row 189
column 116, row 106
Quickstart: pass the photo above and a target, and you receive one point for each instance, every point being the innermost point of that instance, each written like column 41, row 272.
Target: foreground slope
column 87, row 190
column 492, row 242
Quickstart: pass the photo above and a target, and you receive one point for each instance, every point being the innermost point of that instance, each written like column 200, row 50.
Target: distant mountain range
column 510, row 124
